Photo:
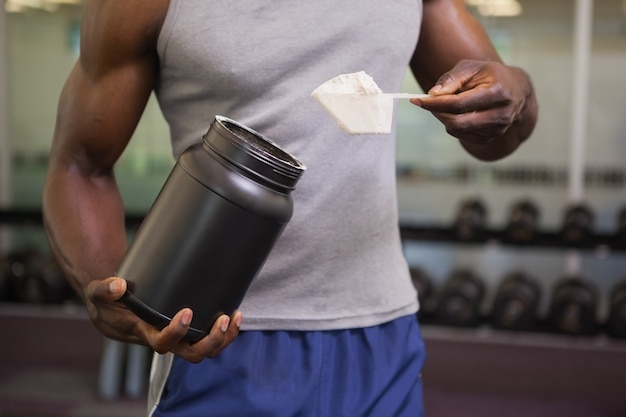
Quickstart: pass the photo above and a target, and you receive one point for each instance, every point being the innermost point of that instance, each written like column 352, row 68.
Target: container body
column 206, row 236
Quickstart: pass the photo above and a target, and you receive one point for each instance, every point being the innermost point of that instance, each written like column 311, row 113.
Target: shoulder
column 446, row 3
column 123, row 30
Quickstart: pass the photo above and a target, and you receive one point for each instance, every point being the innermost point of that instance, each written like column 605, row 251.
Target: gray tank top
column 339, row 263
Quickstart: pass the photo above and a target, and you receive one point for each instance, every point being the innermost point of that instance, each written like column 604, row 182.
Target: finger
column 478, row 99
column 230, row 330
column 108, row 290
column 233, row 328
column 212, row 344
column 223, row 332
column 208, row 346
column 166, row 339
column 475, row 127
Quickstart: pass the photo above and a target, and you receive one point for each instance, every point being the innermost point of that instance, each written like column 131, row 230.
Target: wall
column 43, row 48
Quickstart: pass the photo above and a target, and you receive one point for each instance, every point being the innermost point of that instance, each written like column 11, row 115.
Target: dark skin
column 488, row 106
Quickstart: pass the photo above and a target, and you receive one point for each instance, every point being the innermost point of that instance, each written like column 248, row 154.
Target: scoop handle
column 407, row 95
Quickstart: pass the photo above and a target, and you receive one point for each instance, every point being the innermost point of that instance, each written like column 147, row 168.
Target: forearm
column 84, row 221
column 449, row 34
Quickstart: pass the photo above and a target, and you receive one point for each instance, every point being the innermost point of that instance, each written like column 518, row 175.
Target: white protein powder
column 358, row 83
column 356, row 104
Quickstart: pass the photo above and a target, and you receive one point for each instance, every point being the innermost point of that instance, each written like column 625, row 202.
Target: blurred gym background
column 521, row 264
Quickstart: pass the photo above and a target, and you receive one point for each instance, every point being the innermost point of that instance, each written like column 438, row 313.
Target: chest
column 249, row 45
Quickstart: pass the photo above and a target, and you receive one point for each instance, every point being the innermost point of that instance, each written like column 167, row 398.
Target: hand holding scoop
column 357, row 104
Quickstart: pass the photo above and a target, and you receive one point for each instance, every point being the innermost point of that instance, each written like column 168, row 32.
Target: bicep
column 83, row 209
column 109, row 86
column 96, row 117
column 448, row 35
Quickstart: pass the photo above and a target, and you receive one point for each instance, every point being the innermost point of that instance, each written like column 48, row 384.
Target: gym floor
column 50, row 362
column 71, row 393
column 49, row 365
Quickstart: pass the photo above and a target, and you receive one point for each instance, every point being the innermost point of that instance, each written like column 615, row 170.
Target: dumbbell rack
column 71, row 340
column 34, row 217
column 487, row 360
column 537, row 364
column 598, row 242
column 29, row 274
column 604, row 244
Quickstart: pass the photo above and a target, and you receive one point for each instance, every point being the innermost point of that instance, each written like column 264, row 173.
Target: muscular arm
column 99, row 108
column 489, row 106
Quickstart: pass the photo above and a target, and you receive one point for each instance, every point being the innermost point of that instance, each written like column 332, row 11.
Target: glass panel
column 435, row 174
column 43, row 46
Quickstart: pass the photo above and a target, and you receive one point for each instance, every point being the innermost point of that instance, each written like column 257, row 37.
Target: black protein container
column 211, row 228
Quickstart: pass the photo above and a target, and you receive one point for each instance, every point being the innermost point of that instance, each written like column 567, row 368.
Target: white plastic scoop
column 357, row 104
column 406, row 95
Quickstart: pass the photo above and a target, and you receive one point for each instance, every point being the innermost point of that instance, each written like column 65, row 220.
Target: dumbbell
column 460, row 299
column 19, row 262
column 573, row 307
column 5, row 288
column 523, row 222
column 620, row 234
column 516, row 302
column 423, row 283
column 616, row 323
column 37, row 279
column 577, row 227
column 471, row 220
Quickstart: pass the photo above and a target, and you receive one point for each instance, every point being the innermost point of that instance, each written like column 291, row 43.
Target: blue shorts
column 371, row 372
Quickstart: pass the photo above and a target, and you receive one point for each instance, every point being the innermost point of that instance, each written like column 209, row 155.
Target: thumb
column 110, row 289
column 446, row 84
column 453, row 81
